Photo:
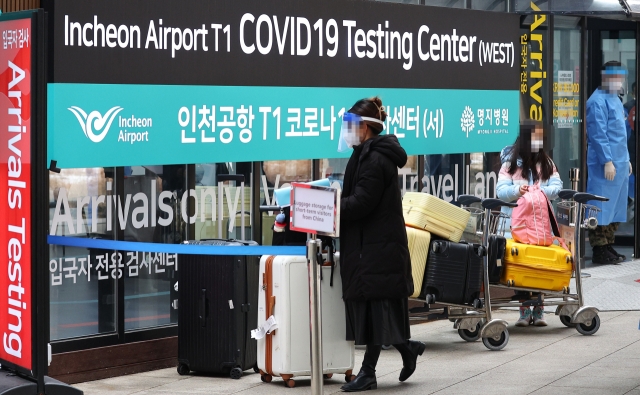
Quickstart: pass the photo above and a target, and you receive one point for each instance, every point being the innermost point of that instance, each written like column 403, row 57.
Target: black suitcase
column 453, row 274
column 475, row 274
column 446, row 272
column 497, row 245
column 217, row 309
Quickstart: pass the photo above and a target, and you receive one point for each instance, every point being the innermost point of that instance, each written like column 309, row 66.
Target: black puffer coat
column 374, row 261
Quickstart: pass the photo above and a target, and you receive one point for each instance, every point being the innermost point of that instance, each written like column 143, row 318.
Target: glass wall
column 620, row 45
column 212, row 219
column 567, row 123
column 280, row 174
column 82, row 283
column 489, row 5
column 434, row 3
column 149, row 277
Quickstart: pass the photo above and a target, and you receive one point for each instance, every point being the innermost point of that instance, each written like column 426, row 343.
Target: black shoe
column 410, row 352
column 365, row 380
column 602, row 256
column 614, row 252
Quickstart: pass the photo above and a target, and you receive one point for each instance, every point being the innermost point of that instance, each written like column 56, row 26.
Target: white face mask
column 352, row 139
column 614, row 86
column 536, row 145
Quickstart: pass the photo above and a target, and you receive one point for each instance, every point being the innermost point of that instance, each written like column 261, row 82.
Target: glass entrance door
column 616, row 41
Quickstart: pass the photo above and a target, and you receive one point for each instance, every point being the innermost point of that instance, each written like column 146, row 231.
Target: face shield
column 613, row 79
column 349, row 132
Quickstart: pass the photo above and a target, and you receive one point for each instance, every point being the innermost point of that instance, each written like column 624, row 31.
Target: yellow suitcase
column 427, row 212
column 419, row 250
column 537, row 267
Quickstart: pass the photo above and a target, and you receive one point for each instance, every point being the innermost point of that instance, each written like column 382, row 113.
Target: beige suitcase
column 419, row 250
column 427, row 212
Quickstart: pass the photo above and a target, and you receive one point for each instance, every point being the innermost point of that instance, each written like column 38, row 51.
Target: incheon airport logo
column 96, row 126
column 101, row 123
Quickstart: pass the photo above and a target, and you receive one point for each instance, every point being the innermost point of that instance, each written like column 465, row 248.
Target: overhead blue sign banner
column 126, row 125
column 198, row 81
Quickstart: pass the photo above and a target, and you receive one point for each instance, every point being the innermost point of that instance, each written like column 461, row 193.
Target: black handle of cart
column 566, row 194
column 583, row 197
column 467, row 200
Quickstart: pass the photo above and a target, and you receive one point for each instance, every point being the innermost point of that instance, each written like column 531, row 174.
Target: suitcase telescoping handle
column 238, row 178
column 331, row 261
column 269, row 208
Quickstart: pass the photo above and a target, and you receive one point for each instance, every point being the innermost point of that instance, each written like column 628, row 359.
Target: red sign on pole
column 15, row 192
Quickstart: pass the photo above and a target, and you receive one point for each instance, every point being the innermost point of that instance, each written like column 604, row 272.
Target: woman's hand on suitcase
column 524, row 189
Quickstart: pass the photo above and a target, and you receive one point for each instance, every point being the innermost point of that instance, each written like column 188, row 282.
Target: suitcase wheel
column 349, row 376
column 566, row 321
column 183, row 369
column 235, row 373
column 514, row 251
column 589, row 329
column 435, row 247
column 470, row 336
column 266, row 378
column 327, row 376
column 497, row 343
column 510, row 283
column 255, row 368
column 289, row 383
column 566, row 290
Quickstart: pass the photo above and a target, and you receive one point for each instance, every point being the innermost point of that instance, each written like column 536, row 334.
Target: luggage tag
column 268, row 326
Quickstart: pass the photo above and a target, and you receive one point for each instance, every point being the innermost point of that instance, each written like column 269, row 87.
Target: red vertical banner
column 15, row 194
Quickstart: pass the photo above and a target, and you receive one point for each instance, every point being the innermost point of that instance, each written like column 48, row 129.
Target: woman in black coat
column 375, row 264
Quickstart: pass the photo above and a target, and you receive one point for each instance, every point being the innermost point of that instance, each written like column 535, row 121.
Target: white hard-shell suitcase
column 284, row 296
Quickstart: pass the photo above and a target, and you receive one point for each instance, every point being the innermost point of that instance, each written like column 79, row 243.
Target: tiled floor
column 537, row 360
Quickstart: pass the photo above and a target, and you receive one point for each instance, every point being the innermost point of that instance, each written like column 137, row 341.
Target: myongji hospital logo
column 95, row 126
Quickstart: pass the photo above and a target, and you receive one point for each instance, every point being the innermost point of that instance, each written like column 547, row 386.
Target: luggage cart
column 570, row 306
column 474, row 321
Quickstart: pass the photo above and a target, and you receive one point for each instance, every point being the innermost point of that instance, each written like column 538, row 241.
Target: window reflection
column 82, row 297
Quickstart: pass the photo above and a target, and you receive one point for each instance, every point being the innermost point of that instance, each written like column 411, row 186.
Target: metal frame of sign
column 39, row 178
column 336, row 209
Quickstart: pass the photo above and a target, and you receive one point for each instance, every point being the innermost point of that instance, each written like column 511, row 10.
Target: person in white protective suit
column 607, row 162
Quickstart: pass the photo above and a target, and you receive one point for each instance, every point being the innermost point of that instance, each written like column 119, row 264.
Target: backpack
column 533, row 221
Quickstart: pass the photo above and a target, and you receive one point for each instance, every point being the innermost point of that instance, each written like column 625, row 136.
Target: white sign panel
column 314, row 209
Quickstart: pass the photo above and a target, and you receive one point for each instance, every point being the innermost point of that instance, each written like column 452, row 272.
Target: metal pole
column 315, row 315
column 485, row 262
column 636, row 127
column 220, row 201
column 574, row 177
column 578, row 264
column 243, row 237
